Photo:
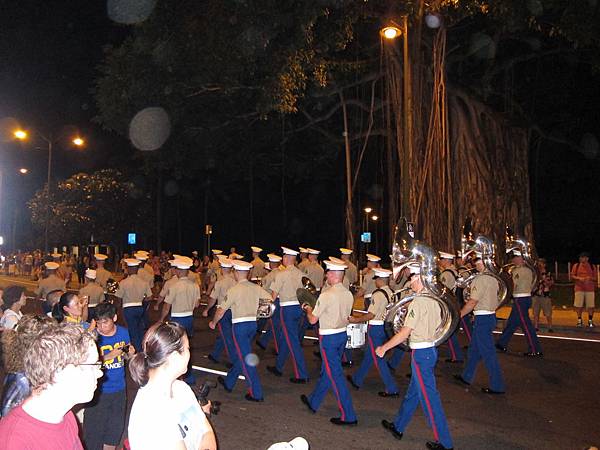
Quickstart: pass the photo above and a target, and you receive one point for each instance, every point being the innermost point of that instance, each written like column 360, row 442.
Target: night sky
column 50, row 52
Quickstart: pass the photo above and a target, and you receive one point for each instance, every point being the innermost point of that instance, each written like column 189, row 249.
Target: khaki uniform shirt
column 49, row 284
column 146, row 276
column 133, row 289
column 269, row 279
column 333, row 308
column 448, row 277
column 183, row 296
column 95, row 293
column 522, row 281
column 379, row 302
column 423, row 316
column 242, row 299
column 286, row 284
column 222, row 286
column 258, row 269
column 102, row 276
column 345, row 283
column 351, row 272
column 166, row 285
column 302, row 264
column 369, row 283
column 484, row 289
column 315, row 273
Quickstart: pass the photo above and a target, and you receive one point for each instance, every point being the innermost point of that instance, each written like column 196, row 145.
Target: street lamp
column 23, row 170
column 22, row 135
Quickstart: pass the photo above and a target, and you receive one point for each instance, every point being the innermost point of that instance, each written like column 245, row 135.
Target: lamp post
column 23, row 135
column 375, row 218
column 368, row 212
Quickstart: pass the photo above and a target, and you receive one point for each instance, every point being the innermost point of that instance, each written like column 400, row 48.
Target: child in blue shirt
column 104, row 418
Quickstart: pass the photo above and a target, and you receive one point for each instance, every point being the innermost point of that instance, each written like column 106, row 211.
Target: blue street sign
column 131, row 238
column 365, row 237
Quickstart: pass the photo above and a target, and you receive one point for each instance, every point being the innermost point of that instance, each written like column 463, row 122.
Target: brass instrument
column 266, row 308
column 307, row 293
column 520, row 244
column 426, row 258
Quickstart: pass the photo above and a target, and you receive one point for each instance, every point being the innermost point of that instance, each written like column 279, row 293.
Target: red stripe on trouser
column 223, row 339
column 525, row 328
column 289, row 344
column 274, row 335
column 466, row 328
column 372, row 348
column 333, row 385
column 239, row 352
column 429, row 409
column 452, row 352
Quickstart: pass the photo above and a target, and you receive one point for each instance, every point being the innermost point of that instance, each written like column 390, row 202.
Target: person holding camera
column 166, row 413
column 104, row 419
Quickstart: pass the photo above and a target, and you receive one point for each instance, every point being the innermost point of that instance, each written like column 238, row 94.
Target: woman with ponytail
column 71, row 309
column 165, row 413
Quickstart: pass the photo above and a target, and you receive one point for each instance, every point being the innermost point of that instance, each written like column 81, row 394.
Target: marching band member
column 448, row 277
column 402, row 282
column 422, row 319
column 368, row 285
column 284, row 287
column 93, row 291
column 243, row 300
column 351, row 272
column 331, row 311
column 274, row 329
column 522, row 277
column 303, row 255
column 483, row 301
column 218, row 295
column 51, row 282
column 258, row 265
column 102, row 275
column 376, row 335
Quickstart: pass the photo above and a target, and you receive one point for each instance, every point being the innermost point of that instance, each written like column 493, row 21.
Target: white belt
column 419, row 345
column 182, row 314
column 328, row 331
column 483, row 312
column 243, row 319
column 127, row 305
column 375, row 322
column 368, row 295
column 289, row 303
column 521, row 295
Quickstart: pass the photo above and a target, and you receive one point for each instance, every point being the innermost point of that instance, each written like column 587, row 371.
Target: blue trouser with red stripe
column 455, row 352
column 332, row 376
column 375, row 337
column 289, row 317
column 482, row 347
column 422, row 389
column 273, row 329
column 134, row 316
column 187, row 322
column 466, row 323
column 519, row 317
column 224, row 338
column 243, row 335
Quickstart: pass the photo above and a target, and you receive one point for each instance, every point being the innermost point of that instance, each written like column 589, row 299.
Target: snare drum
column 357, row 335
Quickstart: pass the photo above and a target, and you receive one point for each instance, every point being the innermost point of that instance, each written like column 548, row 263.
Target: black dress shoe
column 298, row 380
column 213, row 359
column 388, row 394
column 221, row 381
column 338, row 421
column 533, row 354
column 351, row 381
column 252, row 399
column 260, row 345
column 304, row 400
column 461, row 380
column 391, row 428
column 454, row 361
column 500, row 348
column 274, row 371
column 436, row 446
column 491, row 391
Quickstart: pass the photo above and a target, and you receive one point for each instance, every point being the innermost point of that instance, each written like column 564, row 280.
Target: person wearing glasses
column 166, row 413
column 62, row 367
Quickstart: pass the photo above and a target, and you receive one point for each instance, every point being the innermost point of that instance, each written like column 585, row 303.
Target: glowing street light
column 390, row 32
column 78, row 142
column 374, row 218
column 23, row 170
column 368, row 210
column 20, row 134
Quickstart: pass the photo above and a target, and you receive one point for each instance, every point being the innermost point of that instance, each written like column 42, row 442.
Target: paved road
column 551, row 402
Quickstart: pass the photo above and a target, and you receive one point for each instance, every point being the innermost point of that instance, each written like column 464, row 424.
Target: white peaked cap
column 345, row 251
column 100, row 257
column 332, row 265
column 183, row 264
column 373, row 258
column 337, row 260
column 516, row 253
column 132, row 262
column 289, row 251
column 382, row 273
column 56, row 255
column 51, row 265
column 242, row 265
column 221, row 257
column 445, row 255
column 273, row 257
column 216, row 252
column 267, row 266
column 256, row 249
column 312, row 251
column 414, row 268
column 141, row 256
column 302, row 249
column 226, row 263
column 91, row 274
